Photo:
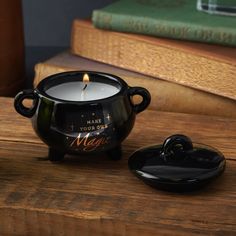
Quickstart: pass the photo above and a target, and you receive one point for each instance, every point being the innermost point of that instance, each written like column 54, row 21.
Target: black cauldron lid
column 177, row 164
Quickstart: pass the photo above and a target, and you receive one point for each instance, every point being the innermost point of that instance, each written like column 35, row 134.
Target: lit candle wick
column 85, row 81
column 85, row 86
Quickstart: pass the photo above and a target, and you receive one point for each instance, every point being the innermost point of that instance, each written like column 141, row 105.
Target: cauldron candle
column 82, row 112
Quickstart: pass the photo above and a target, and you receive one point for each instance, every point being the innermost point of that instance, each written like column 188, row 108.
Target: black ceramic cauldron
column 80, row 127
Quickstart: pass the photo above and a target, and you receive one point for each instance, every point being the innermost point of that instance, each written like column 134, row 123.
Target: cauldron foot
column 55, row 155
column 115, row 153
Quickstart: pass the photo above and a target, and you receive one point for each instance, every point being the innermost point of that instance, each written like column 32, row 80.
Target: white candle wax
column 73, row 91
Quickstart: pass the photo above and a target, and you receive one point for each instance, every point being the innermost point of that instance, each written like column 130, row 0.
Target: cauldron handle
column 18, row 103
column 144, row 94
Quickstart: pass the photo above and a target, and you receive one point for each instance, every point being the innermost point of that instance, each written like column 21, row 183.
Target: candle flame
column 86, row 78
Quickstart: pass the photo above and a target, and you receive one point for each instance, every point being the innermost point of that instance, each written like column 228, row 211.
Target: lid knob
column 176, row 143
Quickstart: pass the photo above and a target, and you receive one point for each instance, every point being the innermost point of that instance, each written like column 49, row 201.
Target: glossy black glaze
column 177, row 165
column 82, row 127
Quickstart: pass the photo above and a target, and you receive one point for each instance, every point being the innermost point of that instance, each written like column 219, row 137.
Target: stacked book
column 182, row 76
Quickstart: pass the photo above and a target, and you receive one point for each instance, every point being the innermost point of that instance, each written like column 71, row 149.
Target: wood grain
column 209, row 68
column 95, row 196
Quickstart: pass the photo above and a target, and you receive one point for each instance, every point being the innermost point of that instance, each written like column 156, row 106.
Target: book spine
column 166, row 96
column 163, row 28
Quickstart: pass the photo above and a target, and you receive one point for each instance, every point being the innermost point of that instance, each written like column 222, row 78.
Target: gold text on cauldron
column 89, row 143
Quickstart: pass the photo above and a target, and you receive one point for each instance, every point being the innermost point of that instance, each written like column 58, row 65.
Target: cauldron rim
column 54, row 80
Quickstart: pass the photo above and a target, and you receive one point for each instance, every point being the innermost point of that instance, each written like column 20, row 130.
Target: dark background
column 47, row 26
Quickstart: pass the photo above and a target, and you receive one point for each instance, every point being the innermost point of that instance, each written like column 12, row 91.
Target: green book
column 178, row 19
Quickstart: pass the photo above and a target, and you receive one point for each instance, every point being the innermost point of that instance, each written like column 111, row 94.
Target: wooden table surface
column 97, row 196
